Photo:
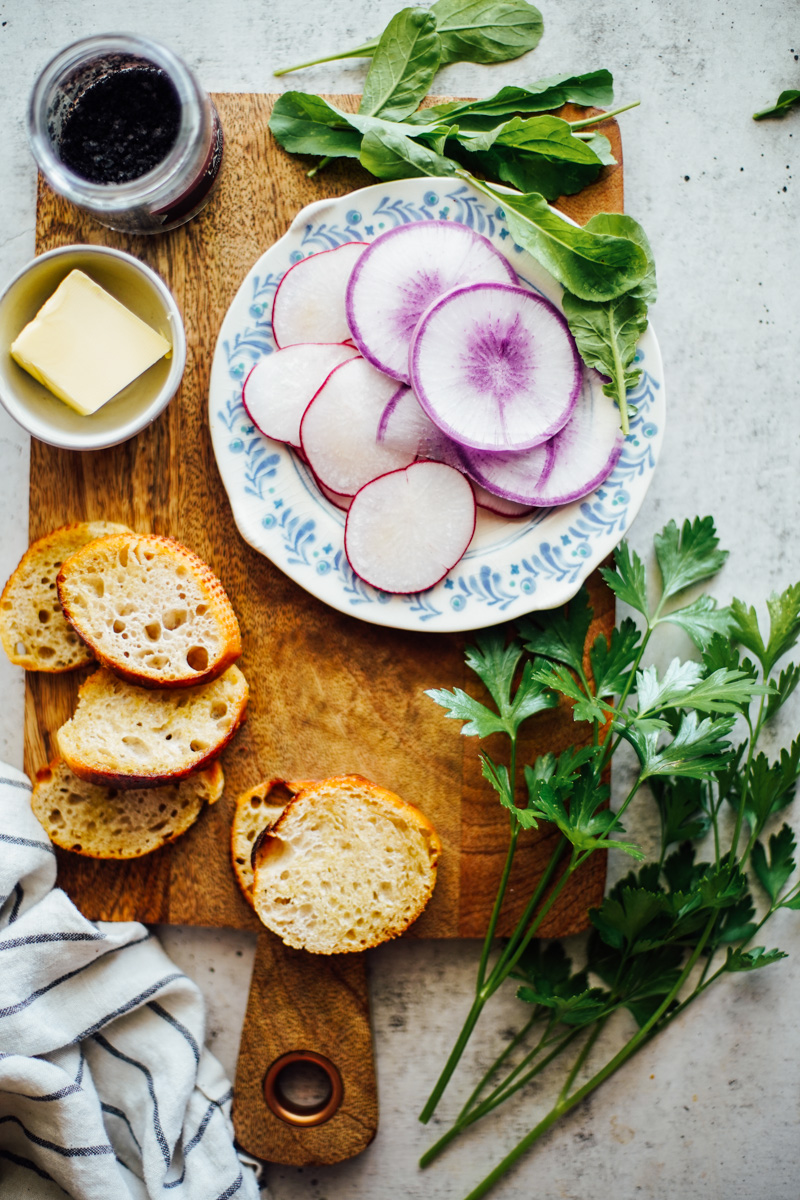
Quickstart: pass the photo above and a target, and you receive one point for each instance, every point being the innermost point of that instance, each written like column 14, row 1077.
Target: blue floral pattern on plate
column 511, row 567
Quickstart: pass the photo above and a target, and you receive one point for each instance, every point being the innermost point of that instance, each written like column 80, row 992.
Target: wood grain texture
column 329, row 694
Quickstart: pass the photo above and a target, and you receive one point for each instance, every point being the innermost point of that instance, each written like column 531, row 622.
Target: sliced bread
column 150, row 610
column 256, row 811
column 125, row 736
column 348, row 865
column 103, row 822
column 33, row 629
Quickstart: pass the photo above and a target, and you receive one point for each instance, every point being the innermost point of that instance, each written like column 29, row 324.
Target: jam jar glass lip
column 147, row 188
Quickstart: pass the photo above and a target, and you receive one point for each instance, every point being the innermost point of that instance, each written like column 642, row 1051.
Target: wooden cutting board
column 329, row 694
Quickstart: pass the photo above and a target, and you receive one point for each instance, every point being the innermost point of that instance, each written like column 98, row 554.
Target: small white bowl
column 139, row 289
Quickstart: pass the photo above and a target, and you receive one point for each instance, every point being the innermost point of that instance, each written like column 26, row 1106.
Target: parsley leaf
column 784, row 627
column 611, row 660
column 702, row 620
column 558, row 678
column 629, row 580
column 697, row 750
column 689, row 556
column 751, row 960
column 774, row 874
column 584, row 1008
column 680, row 807
column 559, row 633
column 785, row 684
column 583, row 820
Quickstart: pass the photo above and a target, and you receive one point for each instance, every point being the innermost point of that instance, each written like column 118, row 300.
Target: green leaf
column 634, row 919
column 629, row 580
column 785, row 101
column 486, row 31
column 591, row 266
column 697, row 751
column 611, row 661
column 558, row 678
column 581, row 1009
column 607, row 335
column 533, row 154
column 560, row 633
column 735, row 924
column 389, row 154
column 770, row 786
column 681, row 871
column 544, row 965
column 680, row 807
column 751, row 960
column 551, row 178
column 784, row 687
column 546, row 135
column 403, row 66
column 773, row 873
column 784, row 627
column 594, row 88
column 583, row 821
column 688, row 557
column 702, row 620
column 683, row 686
column 306, row 124
column 480, row 721
column 721, row 887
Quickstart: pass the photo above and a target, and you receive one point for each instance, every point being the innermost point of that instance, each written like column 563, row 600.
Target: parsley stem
column 501, row 1058
column 581, row 1059
column 501, row 891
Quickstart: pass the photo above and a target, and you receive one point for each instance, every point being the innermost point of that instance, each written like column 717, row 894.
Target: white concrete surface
column 710, row 1109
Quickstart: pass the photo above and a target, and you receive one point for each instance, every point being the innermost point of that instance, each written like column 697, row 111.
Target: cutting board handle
column 314, row 1009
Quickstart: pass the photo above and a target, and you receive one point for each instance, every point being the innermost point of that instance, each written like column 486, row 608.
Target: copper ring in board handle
column 302, row 1114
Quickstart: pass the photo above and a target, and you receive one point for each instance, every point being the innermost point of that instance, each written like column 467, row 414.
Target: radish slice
column 338, row 501
column 510, row 474
column 495, row 367
column 280, row 386
column 408, row 528
column 584, row 453
column 405, row 269
column 309, row 305
column 339, row 430
column 498, row 504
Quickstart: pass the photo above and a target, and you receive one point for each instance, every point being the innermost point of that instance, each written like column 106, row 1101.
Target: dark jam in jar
column 122, row 126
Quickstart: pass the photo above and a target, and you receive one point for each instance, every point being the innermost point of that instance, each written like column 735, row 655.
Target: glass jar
column 154, row 169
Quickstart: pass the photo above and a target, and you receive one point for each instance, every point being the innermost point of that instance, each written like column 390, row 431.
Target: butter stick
column 85, row 346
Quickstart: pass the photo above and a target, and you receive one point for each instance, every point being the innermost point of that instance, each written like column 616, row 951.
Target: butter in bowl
column 92, row 347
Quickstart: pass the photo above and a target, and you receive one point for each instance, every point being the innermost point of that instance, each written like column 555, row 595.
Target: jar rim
column 113, row 197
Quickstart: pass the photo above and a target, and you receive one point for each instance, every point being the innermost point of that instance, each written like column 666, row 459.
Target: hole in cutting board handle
column 303, row 1088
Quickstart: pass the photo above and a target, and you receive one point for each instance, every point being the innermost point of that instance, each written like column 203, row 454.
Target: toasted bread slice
column 257, row 810
column 33, row 629
column 150, row 610
column 127, row 737
column 103, row 822
column 348, row 865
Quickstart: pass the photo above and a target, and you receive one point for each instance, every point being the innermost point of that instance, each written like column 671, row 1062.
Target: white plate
column 511, row 567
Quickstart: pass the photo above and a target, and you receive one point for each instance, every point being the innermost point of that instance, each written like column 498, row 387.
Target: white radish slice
column 342, row 502
column 495, row 367
column 401, row 273
column 510, row 474
column 309, row 305
column 339, row 430
column 584, row 453
column 498, row 504
column 407, row 529
column 281, row 386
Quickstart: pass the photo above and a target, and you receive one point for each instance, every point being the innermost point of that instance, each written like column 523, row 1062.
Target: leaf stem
column 602, row 116
column 365, row 51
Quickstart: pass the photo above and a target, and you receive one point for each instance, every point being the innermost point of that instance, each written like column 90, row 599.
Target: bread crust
column 32, row 586
column 256, row 811
column 344, row 790
column 139, row 643
column 79, row 740
column 153, row 817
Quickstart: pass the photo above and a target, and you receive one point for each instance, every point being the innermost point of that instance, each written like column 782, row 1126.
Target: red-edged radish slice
column 584, row 453
column 495, row 367
column 339, row 430
column 498, row 504
column 309, row 305
column 407, row 529
column 510, row 474
column 401, row 273
column 281, row 386
column 338, row 501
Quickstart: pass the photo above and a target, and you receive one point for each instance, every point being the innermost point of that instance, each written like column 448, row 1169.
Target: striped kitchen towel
column 106, row 1090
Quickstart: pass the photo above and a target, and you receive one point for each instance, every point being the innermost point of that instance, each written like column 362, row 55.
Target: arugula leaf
column 592, row 266
column 688, row 557
column 629, row 580
column 389, row 154
column 545, row 135
column 702, row 620
column 697, row 750
column 534, row 154
column 551, row 178
column 594, row 89
column 774, row 874
column 486, row 32
column 784, row 627
column 404, row 64
column 785, row 101
column 306, row 124
column 611, row 660
column 680, row 807
column 751, row 960
column 560, row 633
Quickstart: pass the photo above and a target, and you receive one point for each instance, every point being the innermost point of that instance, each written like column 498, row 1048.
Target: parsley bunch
column 675, row 924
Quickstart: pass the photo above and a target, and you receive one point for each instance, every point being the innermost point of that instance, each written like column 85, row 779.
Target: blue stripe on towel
column 130, row 1005
column 39, row 939
column 117, row 1112
column 159, row 1132
column 15, row 1008
column 65, row 1151
column 25, row 784
column 168, row 1017
column 18, row 841
column 26, row 1162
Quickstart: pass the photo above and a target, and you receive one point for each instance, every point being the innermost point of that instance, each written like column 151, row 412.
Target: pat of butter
column 85, row 346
